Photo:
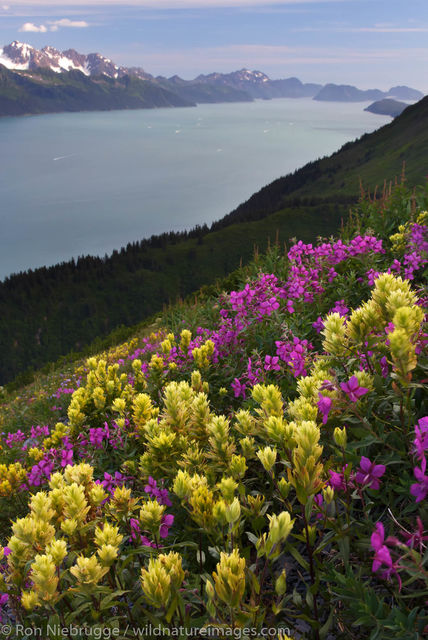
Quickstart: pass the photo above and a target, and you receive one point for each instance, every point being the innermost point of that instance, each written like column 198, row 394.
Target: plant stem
column 312, row 573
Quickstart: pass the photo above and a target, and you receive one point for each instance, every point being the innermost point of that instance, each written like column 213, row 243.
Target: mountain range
column 49, row 80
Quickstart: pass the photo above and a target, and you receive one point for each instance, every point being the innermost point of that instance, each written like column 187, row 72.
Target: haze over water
column 88, row 183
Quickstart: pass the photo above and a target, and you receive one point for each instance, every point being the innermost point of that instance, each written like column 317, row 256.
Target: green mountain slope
column 50, row 311
column 45, row 91
column 371, row 159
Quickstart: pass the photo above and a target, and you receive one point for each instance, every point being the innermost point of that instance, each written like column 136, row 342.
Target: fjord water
column 88, row 183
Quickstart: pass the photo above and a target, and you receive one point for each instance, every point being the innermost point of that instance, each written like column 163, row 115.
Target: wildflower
column 416, row 540
column 369, row 473
column 238, row 388
column 111, row 482
column 267, row 457
column 88, row 571
column 421, row 440
column 352, row 389
column 166, row 523
column 337, row 481
column 324, row 405
column 318, row 325
column 156, row 583
column 272, row 363
column 339, row 436
column 161, row 495
column 229, row 578
column 66, row 457
column 420, row 488
column 382, row 553
column 382, row 556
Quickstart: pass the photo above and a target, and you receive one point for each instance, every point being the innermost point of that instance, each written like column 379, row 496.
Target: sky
column 367, row 43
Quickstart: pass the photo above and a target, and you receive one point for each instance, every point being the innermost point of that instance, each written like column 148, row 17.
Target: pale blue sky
column 369, row 43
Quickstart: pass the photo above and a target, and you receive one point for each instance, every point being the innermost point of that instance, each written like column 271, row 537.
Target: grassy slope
column 370, row 159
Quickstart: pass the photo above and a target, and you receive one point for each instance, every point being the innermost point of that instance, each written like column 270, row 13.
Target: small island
column 387, row 107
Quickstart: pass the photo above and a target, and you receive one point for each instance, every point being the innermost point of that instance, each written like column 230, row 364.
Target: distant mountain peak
column 20, row 56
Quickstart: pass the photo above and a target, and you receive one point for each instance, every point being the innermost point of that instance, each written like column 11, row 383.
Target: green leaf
column 297, row 556
column 106, row 602
column 327, row 625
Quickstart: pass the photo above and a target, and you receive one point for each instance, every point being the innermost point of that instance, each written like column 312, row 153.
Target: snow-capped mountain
column 258, row 85
column 242, row 85
column 243, row 77
column 22, row 56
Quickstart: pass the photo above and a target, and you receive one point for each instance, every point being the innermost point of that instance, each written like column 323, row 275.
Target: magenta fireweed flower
column 40, row 472
column 318, row 325
column 372, row 275
column 382, row 553
column 352, row 389
column 96, row 437
column 66, row 457
column 38, row 431
column 238, row 388
column 337, row 481
column 396, row 266
column 161, row 495
column 420, row 488
column 15, row 438
column 324, row 406
column 416, row 539
column 253, row 376
column 421, row 440
column 384, row 369
column 136, row 533
column 167, row 522
column 111, row 482
column 340, row 308
column 382, row 557
column 272, row 363
column 369, row 473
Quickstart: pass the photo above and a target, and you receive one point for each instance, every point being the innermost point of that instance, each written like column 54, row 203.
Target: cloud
column 389, row 30
column 5, row 7
column 65, row 22
column 175, row 4
column 375, row 29
column 53, row 25
column 29, row 26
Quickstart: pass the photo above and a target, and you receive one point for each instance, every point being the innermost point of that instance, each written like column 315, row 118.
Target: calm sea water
column 87, row 183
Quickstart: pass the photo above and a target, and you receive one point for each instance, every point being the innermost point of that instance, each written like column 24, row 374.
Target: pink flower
column 272, row 363
column 420, row 488
column 238, row 388
column 369, row 473
column 421, row 440
column 324, row 405
column 382, row 555
column 167, row 522
column 352, row 389
column 416, row 539
column 337, row 481
column 66, row 457
column 318, row 325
